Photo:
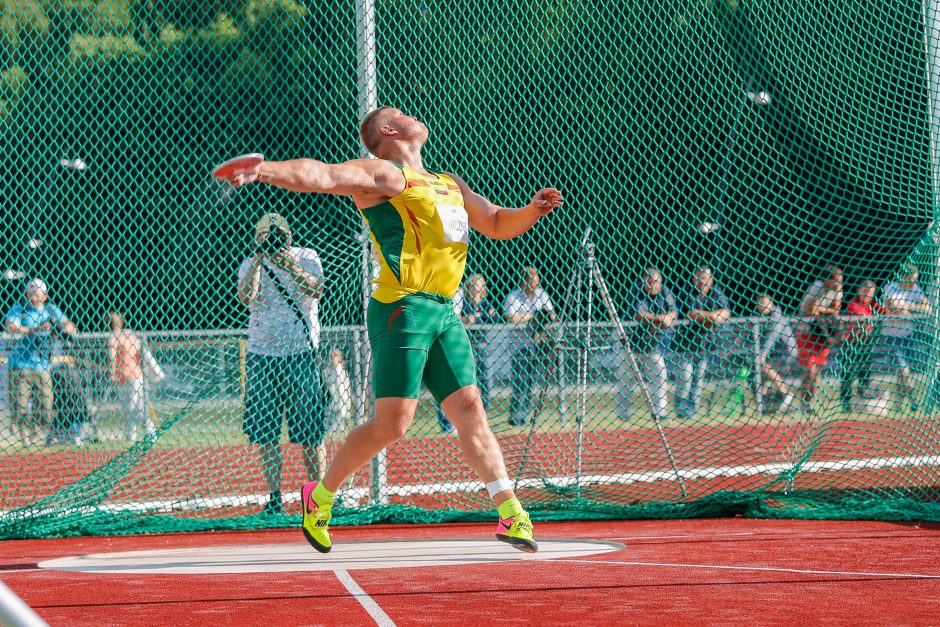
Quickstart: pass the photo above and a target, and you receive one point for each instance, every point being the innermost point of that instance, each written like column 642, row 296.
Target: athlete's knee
column 464, row 404
column 387, row 427
column 392, row 418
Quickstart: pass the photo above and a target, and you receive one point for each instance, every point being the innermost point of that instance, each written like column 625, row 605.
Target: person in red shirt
column 857, row 340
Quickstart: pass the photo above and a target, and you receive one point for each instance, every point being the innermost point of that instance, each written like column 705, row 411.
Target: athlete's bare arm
column 501, row 222
column 368, row 181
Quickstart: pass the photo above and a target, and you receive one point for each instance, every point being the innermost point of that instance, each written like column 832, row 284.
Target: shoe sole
column 314, row 543
column 526, row 546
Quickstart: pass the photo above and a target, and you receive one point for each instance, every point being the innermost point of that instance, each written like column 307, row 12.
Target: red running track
column 692, row 572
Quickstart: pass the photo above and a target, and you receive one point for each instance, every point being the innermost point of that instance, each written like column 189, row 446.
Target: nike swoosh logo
column 309, row 503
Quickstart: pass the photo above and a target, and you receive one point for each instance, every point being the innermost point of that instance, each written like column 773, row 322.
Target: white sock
column 500, row 485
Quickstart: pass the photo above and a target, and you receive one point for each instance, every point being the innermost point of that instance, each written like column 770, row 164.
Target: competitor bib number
column 454, row 222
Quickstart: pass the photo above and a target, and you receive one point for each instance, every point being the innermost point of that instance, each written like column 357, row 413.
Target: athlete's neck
column 411, row 156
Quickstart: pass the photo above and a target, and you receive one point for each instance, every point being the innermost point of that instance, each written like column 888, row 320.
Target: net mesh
column 730, row 148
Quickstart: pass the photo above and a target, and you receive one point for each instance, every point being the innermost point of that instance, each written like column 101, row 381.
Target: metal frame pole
column 585, row 360
column 931, row 16
column 367, row 87
column 15, row 612
column 758, row 367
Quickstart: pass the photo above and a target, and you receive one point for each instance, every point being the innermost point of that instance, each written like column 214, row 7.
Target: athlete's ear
column 388, row 131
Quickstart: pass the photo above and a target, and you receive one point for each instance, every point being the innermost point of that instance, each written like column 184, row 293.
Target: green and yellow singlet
column 421, row 236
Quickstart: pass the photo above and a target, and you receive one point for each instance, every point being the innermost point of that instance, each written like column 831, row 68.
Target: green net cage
column 735, row 312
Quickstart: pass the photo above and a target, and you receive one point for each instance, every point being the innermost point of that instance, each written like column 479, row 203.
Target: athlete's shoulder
column 378, row 167
column 456, row 178
column 388, row 177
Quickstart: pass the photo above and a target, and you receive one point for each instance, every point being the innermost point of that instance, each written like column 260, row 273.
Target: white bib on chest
column 454, row 221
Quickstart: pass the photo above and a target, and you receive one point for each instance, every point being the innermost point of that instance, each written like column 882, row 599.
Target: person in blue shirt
column 705, row 307
column 653, row 307
column 36, row 321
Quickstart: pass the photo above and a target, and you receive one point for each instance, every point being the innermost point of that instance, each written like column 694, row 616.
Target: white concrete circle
column 271, row 558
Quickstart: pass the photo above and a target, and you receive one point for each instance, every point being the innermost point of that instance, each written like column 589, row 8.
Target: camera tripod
column 585, row 280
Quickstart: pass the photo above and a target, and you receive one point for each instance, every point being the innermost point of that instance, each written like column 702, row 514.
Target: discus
column 237, row 165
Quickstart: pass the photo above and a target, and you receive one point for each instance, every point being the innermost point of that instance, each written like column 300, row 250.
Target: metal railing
column 211, row 364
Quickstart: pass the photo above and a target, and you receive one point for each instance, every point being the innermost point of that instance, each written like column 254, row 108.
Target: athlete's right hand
column 244, row 177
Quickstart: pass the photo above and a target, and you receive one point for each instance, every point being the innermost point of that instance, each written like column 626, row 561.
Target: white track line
column 380, row 617
column 19, row 570
column 354, row 495
column 698, row 536
column 798, row 571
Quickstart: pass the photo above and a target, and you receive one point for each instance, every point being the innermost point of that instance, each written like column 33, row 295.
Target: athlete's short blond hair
column 369, row 129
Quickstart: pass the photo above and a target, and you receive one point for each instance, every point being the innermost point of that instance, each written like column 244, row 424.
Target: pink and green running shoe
column 316, row 520
column 517, row 531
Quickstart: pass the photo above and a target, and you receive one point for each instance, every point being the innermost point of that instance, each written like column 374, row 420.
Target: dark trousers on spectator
column 523, row 380
column 529, row 366
column 855, row 358
column 690, row 380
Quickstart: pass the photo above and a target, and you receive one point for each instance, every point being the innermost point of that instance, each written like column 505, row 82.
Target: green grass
column 219, row 423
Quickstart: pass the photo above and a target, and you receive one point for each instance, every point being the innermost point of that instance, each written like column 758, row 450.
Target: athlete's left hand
column 546, row 200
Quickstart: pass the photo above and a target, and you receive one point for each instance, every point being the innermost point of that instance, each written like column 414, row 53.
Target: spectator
column 281, row 284
column 126, row 365
column 903, row 298
column 523, row 303
column 522, row 306
column 71, row 405
column 705, row 307
column 857, row 342
column 822, row 302
column 30, row 380
column 536, row 355
column 653, row 307
column 777, row 356
column 340, row 387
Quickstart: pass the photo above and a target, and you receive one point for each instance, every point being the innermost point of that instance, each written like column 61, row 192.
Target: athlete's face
column 408, row 125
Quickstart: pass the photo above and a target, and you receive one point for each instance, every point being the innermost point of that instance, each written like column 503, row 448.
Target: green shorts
column 419, row 338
